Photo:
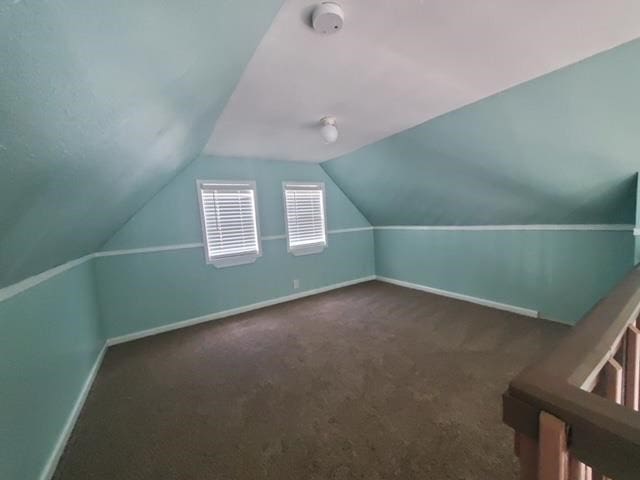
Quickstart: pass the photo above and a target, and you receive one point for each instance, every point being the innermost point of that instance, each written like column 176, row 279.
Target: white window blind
column 305, row 212
column 229, row 222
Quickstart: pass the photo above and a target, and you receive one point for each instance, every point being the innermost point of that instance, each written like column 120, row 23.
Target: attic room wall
column 100, row 106
column 636, row 230
column 561, row 149
column 140, row 291
column 560, row 274
column 50, row 339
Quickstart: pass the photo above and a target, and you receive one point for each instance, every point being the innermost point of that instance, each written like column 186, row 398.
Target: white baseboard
column 233, row 311
column 459, row 296
column 52, row 462
column 50, row 467
column 555, row 320
column 54, row 458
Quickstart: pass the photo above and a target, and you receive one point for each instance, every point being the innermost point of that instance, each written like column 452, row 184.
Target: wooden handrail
column 601, row 433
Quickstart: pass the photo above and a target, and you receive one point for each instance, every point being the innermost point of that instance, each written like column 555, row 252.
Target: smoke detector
column 327, row 18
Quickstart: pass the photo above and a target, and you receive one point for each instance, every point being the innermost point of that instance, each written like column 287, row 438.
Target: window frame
column 231, row 260
column 307, row 249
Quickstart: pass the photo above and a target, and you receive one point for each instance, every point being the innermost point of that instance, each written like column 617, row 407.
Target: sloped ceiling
column 396, row 64
column 563, row 148
column 101, row 103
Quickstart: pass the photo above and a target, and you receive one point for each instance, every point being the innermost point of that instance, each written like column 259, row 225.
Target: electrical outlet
column 296, row 283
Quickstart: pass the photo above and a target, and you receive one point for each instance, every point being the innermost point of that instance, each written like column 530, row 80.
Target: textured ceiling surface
column 396, row 64
column 560, row 149
column 100, row 105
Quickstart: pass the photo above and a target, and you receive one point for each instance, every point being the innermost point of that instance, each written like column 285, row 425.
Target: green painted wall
column 637, row 197
column 172, row 217
column 563, row 148
column 142, row 291
column 637, row 223
column 100, row 106
column 560, row 149
column 52, row 333
column 562, row 274
column 50, row 338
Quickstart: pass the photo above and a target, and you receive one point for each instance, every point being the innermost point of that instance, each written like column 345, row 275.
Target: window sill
column 310, row 250
column 233, row 261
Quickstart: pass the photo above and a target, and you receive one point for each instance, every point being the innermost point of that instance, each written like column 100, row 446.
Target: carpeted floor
column 368, row 382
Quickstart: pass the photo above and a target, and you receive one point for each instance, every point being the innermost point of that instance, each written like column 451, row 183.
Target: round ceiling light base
column 329, row 130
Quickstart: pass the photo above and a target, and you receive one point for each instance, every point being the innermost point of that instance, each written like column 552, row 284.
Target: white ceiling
column 396, row 64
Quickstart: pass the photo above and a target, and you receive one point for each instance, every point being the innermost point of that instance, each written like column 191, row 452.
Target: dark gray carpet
column 368, row 382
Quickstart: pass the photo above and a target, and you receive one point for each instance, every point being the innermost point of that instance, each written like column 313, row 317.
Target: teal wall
column 143, row 291
column 561, row 274
column 53, row 332
column 563, row 148
column 99, row 114
column 559, row 149
column 147, row 290
column 101, row 104
column 637, row 223
column 637, row 200
column 50, row 338
column 172, row 217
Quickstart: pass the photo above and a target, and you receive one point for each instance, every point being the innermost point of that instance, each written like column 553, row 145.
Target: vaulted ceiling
column 101, row 103
column 397, row 64
column 561, row 149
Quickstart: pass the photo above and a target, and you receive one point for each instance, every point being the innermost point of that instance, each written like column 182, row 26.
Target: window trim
column 317, row 247
column 232, row 260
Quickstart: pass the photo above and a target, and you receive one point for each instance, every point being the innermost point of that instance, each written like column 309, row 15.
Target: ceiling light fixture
column 329, row 131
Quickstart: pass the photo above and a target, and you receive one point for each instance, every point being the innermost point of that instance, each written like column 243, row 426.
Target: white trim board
column 527, row 312
column 255, row 306
column 232, row 311
column 27, row 283
column 349, row 230
column 570, row 227
column 161, row 248
column 182, row 246
column 52, row 462
column 50, row 467
column 30, row 282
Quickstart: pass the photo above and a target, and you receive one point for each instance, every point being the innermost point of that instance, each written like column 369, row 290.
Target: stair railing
column 575, row 413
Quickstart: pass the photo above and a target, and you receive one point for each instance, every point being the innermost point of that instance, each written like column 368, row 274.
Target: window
column 305, row 217
column 229, row 222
